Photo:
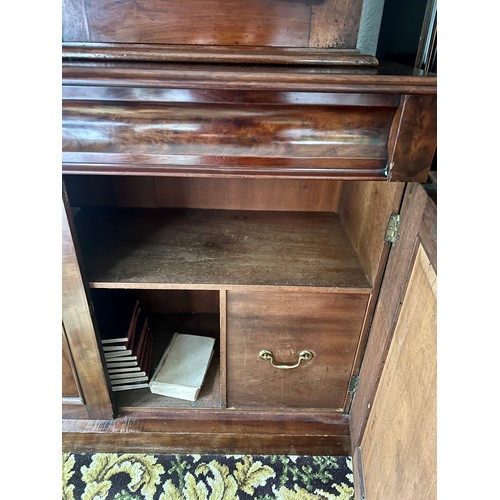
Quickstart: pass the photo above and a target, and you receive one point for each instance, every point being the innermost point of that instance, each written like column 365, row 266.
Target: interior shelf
column 164, row 248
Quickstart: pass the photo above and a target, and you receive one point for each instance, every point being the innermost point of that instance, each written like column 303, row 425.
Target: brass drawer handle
column 268, row 356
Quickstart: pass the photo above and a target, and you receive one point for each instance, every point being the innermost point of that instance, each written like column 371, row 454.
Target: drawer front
column 326, row 324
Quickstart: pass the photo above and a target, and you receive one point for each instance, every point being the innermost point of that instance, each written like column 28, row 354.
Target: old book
column 183, row 366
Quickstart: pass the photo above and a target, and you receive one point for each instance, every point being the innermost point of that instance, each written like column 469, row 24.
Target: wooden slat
column 204, row 247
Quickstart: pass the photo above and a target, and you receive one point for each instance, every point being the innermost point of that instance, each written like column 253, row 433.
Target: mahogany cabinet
column 241, row 179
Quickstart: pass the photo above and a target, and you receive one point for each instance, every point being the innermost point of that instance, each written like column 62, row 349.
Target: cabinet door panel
column 326, row 324
column 80, row 332
column 70, row 389
column 393, row 414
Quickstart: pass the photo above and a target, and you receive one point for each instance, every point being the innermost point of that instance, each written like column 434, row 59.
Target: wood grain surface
column 404, row 411
column 320, row 433
column 399, row 266
column 243, row 77
column 364, row 209
column 234, row 54
column 70, row 389
column 80, row 330
column 412, row 142
column 261, row 23
column 204, row 247
column 287, row 323
column 209, row 193
column 227, row 136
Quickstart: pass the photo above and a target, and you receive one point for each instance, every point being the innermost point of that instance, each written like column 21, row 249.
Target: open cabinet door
column 85, row 388
column 393, row 413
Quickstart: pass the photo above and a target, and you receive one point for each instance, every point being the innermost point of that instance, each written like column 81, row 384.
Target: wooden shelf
column 159, row 248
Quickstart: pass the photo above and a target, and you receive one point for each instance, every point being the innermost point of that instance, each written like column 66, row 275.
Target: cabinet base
column 311, row 435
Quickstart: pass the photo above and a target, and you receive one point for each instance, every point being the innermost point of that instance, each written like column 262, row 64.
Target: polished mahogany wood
column 238, row 92
column 133, row 126
column 262, row 23
column 257, row 137
column 328, row 325
column 129, row 93
column 243, row 77
column 226, row 130
column 412, row 143
column 216, row 54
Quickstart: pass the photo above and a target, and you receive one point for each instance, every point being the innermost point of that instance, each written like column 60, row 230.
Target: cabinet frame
column 407, row 157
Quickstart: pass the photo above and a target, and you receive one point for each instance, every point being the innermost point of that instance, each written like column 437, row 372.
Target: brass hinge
column 353, row 384
column 392, row 229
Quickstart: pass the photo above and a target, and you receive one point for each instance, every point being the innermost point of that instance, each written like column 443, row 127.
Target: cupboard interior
column 341, row 223
column 194, row 312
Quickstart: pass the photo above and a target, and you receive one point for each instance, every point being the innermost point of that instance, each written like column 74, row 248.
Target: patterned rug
column 130, row 476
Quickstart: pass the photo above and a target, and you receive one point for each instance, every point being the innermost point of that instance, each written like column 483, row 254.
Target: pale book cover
column 183, row 367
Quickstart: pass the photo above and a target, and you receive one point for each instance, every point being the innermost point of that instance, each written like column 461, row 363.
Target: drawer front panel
column 326, row 324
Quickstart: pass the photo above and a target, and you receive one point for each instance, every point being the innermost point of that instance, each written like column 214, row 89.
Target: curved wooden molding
column 233, row 121
column 216, row 54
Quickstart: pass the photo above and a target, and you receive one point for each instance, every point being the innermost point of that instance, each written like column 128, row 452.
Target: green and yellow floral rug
column 130, row 476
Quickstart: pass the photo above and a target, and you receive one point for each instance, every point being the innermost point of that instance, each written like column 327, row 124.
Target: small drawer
column 285, row 324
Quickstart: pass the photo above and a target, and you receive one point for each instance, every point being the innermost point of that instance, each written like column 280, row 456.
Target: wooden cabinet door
column 393, row 413
column 87, row 384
